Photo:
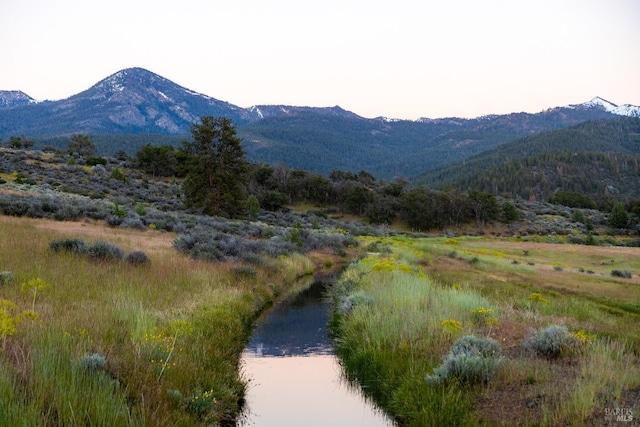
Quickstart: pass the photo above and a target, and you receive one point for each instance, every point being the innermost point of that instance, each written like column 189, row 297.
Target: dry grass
column 129, row 314
column 570, row 390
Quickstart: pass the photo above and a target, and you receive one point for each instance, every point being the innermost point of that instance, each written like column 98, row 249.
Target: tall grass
column 393, row 337
column 397, row 314
column 171, row 331
column 605, row 372
column 59, row 390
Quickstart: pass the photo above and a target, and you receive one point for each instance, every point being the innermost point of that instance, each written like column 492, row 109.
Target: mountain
column 135, row 106
column 14, row 98
column 388, row 148
column 130, row 101
column 268, row 111
column 599, row 158
column 598, row 103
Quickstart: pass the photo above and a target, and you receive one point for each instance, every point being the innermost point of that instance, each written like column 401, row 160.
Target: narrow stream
column 295, row 379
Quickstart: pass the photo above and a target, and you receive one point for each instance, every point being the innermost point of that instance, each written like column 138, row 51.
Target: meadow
column 98, row 341
column 488, row 331
column 128, row 310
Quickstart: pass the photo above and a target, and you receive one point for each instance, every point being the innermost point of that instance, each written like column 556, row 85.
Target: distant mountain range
column 126, row 110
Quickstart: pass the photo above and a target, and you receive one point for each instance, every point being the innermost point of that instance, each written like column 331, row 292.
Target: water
column 295, row 378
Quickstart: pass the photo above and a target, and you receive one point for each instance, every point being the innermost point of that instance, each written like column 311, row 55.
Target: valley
column 487, row 269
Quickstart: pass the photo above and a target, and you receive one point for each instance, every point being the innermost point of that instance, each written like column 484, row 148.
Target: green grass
column 395, row 337
column 171, row 331
column 397, row 315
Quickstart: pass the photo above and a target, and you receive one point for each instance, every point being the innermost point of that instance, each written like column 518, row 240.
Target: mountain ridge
column 118, row 82
column 135, row 101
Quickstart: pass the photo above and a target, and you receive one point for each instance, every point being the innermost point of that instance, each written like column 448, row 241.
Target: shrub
column 483, row 316
column 140, row 209
column 92, row 361
column 207, row 251
column 133, row 222
column 536, row 297
column 244, row 272
column 550, row 342
column 348, row 302
column 625, row 274
column 471, row 360
column 185, row 243
column 451, row 326
column 92, row 161
column 137, row 258
column 77, row 246
column 5, row 277
column 578, row 216
column 119, row 211
column 114, row 221
column 379, row 247
column 104, row 251
column 117, row 173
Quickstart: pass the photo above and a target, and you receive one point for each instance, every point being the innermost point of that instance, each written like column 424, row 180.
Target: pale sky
column 400, row 59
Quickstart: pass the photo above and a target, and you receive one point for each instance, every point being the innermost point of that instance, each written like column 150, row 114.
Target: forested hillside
column 600, row 158
column 388, row 148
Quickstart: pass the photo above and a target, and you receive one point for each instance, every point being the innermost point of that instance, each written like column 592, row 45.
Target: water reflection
column 294, row 377
column 296, row 328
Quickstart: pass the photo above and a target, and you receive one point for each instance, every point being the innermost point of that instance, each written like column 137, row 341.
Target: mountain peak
column 14, row 98
column 133, row 99
column 128, row 78
column 602, row 104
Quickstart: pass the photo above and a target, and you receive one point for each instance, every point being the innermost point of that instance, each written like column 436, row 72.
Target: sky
column 400, row 59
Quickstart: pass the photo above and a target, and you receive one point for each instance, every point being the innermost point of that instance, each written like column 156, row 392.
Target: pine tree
column 216, row 168
column 81, row 145
column 618, row 217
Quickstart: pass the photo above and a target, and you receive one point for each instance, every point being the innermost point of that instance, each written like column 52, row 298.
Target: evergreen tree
column 81, row 145
column 483, row 205
column 510, row 213
column 618, row 217
column 216, row 168
column 157, row 160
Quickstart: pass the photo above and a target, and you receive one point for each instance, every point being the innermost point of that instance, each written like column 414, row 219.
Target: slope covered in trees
column 600, row 158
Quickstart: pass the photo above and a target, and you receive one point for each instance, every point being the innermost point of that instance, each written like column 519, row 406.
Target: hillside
column 599, row 158
column 388, row 148
column 136, row 101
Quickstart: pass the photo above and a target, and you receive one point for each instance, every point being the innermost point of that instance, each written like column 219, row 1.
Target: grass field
column 400, row 310
column 110, row 343
column 88, row 342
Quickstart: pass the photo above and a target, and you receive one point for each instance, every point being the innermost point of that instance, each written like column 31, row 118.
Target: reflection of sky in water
column 304, row 391
column 294, row 378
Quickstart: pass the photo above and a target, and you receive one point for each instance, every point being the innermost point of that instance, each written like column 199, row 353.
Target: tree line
column 217, row 180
